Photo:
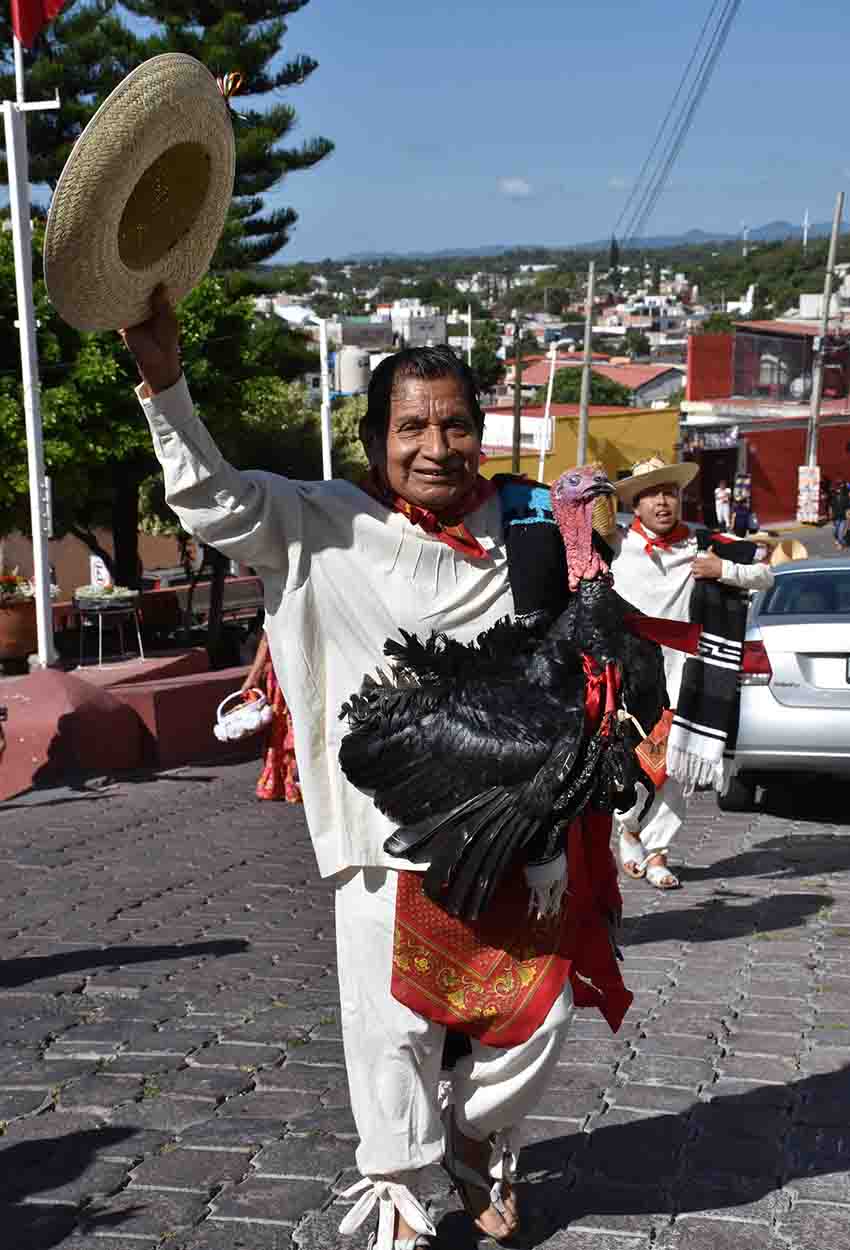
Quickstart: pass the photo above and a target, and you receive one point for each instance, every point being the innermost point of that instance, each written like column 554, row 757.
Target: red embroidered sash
column 497, row 979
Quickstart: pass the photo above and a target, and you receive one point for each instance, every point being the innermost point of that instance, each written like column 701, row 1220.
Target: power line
column 650, row 185
column 698, row 91
column 662, row 128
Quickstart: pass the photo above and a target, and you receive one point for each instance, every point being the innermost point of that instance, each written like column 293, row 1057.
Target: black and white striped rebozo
column 705, row 724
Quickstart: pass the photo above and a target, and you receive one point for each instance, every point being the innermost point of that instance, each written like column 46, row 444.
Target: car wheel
column 740, row 797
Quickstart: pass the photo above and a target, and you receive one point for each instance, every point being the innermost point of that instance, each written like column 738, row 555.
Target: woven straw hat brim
column 143, row 197
column 681, row 474
column 787, row 551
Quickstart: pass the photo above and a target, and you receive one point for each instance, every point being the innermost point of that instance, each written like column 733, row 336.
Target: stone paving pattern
column 171, row 1070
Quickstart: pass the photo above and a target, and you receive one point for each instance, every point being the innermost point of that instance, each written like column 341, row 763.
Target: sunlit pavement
column 171, row 1071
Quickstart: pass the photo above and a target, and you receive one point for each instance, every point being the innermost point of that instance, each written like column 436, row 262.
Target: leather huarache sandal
column 632, row 856
column 463, row 1177
column 660, row 875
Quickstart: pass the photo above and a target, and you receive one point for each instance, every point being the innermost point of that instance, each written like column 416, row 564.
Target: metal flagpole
column 17, row 158
column 327, row 434
column 541, row 465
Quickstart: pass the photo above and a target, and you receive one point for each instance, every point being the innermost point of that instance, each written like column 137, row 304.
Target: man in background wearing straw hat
column 655, row 569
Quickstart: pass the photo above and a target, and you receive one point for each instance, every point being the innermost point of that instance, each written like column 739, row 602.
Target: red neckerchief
column 456, row 534
column 664, row 541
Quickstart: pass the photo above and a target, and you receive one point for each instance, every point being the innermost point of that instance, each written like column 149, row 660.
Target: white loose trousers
column 661, row 823
column 394, row 1056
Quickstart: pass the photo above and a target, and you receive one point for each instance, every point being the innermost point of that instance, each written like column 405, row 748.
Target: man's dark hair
column 414, row 362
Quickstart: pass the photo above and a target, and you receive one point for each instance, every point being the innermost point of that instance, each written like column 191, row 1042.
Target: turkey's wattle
column 576, row 498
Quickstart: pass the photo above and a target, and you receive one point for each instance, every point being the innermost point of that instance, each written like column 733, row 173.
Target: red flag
column 29, row 16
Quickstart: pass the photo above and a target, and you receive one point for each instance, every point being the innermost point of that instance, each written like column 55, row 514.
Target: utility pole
column 469, row 335
column 517, row 439
column 581, row 452
column 327, row 434
column 547, row 439
column 817, row 369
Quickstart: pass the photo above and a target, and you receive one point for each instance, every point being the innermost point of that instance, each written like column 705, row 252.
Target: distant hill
column 771, row 232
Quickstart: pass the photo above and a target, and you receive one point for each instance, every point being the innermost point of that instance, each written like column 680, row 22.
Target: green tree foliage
column 83, row 55
column 528, row 346
column 718, row 323
column 97, row 446
column 566, row 389
column 489, row 369
column 636, row 343
column 86, row 52
column 349, row 457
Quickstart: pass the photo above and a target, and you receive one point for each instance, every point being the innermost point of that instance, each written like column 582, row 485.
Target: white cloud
column 516, row 188
column 618, row 184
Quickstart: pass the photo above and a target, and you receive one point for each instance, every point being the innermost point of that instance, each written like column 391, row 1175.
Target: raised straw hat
column 143, row 197
column 654, row 472
column 787, row 550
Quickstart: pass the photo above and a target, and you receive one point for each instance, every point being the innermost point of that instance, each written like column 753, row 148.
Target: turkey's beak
column 603, row 512
column 600, row 488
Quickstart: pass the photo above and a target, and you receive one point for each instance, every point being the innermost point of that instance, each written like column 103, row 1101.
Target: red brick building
column 747, row 408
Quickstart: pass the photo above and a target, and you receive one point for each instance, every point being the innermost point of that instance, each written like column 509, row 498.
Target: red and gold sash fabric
column 497, row 979
column 451, row 532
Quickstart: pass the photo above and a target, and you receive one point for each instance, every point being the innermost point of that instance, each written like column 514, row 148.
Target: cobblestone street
column 171, row 1071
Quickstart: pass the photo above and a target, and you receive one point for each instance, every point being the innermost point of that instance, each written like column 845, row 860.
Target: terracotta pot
column 18, row 635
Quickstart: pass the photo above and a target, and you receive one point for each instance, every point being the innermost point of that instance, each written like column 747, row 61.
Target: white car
column 795, row 696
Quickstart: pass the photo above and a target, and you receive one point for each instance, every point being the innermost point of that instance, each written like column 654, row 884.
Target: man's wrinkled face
column 658, row 508
column 433, row 447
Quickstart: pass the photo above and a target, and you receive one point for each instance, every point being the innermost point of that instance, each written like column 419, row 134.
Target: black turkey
column 482, row 753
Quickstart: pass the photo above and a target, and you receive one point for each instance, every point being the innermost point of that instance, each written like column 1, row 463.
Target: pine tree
column 87, row 50
column 83, row 55
column 245, row 38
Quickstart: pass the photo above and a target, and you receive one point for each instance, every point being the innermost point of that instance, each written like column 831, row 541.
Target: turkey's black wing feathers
column 458, row 720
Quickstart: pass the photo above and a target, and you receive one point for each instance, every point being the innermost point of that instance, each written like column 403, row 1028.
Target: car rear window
column 809, row 594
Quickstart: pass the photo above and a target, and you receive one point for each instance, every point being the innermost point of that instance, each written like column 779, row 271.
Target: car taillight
column 755, row 670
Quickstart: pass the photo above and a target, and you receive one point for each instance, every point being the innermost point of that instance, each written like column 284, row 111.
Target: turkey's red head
column 578, row 498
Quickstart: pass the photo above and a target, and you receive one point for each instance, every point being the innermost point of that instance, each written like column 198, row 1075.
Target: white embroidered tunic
column 660, row 584
column 341, row 574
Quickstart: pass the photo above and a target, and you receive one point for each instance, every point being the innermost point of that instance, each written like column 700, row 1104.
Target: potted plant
column 18, row 634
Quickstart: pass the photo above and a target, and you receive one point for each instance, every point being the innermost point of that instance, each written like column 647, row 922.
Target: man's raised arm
column 255, row 518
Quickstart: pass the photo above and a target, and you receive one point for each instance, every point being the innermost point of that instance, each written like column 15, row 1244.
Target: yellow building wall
column 619, row 439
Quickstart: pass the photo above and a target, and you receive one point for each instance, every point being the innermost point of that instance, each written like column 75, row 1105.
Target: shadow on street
column 15, row 972
column 726, row 916
column 741, row 1148
column 37, row 1167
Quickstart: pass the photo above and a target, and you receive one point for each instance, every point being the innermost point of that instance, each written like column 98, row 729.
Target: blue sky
column 469, row 122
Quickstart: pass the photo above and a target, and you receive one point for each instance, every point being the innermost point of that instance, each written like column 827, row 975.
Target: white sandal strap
column 656, row 873
column 391, row 1196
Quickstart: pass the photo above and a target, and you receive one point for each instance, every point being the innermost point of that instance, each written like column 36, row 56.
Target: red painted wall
column 775, row 456
column 709, row 366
